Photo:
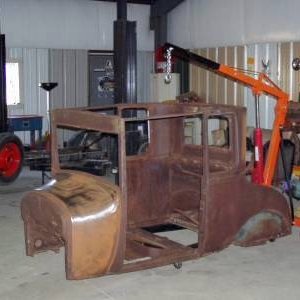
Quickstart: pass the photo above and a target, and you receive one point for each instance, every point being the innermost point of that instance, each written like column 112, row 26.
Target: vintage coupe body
column 172, row 171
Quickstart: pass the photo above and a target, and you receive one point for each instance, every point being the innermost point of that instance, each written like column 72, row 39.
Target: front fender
column 79, row 211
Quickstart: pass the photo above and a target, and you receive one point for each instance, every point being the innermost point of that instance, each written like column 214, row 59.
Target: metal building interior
column 149, row 149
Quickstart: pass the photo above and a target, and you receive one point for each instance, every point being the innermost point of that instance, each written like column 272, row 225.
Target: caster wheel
column 177, row 265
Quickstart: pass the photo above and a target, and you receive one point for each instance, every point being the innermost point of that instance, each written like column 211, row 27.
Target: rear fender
column 260, row 228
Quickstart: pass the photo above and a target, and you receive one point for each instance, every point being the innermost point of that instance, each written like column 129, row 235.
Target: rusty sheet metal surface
column 90, row 120
column 202, row 188
column 233, row 201
column 78, row 211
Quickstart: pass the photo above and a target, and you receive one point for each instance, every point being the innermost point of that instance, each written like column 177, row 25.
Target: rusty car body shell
column 201, row 188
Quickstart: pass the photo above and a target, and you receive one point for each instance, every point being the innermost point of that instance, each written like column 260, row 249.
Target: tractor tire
column 11, row 157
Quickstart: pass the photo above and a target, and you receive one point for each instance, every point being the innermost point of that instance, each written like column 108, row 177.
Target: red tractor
column 11, row 147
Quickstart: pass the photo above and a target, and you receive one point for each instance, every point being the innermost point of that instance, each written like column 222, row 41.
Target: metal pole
column 125, row 53
column 257, row 112
column 257, row 174
column 122, row 9
column 286, row 175
column 48, row 110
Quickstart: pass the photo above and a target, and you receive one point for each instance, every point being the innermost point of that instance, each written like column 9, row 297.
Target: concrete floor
column 270, row 271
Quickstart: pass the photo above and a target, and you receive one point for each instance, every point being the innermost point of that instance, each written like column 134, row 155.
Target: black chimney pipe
column 125, row 53
column 122, row 9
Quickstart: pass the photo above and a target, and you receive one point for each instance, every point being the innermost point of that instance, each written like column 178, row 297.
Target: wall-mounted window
column 13, row 90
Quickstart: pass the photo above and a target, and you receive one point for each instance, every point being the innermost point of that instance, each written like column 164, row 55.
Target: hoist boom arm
column 262, row 84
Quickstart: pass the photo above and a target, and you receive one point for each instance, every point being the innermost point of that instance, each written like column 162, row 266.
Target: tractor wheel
column 11, row 157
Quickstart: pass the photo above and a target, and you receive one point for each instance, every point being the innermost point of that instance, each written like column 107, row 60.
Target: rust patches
column 110, row 228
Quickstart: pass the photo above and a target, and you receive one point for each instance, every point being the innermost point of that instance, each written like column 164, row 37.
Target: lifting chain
column 168, row 76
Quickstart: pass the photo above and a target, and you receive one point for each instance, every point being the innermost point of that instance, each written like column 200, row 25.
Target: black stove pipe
column 125, row 56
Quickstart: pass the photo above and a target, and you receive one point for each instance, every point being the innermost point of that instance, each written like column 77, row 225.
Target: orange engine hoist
column 262, row 173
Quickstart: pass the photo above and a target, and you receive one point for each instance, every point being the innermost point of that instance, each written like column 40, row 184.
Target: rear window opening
column 137, row 131
column 192, row 130
column 218, row 131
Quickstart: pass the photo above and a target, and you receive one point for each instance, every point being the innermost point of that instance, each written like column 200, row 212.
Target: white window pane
column 12, row 83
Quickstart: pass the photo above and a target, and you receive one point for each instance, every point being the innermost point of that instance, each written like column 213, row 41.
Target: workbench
column 30, row 123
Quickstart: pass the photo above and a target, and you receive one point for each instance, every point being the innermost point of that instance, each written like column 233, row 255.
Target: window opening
column 13, row 83
column 137, row 131
column 192, row 130
column 218, row 131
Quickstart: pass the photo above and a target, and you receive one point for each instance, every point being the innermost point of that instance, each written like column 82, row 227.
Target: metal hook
column 296, row 63
column 266, row 65
column 168, row 78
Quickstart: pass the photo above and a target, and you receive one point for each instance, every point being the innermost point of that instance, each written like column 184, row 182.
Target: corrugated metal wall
column 289, row 78
column 67, row 67
column 70, row 69
column 261, row 52
column 215, row 89
column 145, row 66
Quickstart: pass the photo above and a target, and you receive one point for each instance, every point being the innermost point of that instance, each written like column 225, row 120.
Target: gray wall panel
column 69, row 69
column 81, row 84
column 42, row 76
column 145, row 63
column 30, row 80
column 241, row 57
column 57, row 75
column 69, row 75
